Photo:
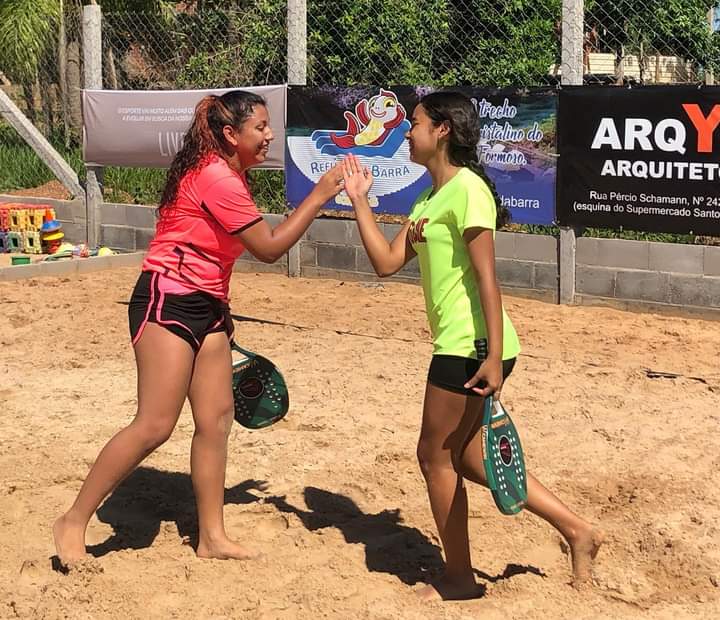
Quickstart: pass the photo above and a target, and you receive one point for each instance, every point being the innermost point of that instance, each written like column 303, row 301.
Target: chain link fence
column 245, row 42
column 185, row 50
column 434, row 42
column 651, row 41
column 41, row 71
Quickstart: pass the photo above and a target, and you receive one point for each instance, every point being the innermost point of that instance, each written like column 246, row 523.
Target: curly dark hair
column 205, row 135
column 459, row 112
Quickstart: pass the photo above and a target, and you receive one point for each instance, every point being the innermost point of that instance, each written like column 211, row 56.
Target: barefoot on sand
column 445, row 589
column 225, row 550
column 583, row 550
column 69, row 542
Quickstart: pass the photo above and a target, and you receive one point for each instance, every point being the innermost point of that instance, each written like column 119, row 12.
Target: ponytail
column 458, row 111
column 470, row 160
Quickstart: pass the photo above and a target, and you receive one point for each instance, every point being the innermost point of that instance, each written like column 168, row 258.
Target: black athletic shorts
column 451, row 372
column 191, row 316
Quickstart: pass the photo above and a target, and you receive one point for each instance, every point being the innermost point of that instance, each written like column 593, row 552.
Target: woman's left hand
column 358, row 178
column 489, row 377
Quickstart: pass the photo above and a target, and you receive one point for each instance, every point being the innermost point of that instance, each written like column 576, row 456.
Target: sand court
column 618, row 413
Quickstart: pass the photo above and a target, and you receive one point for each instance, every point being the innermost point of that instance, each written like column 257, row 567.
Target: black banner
column 641, row 159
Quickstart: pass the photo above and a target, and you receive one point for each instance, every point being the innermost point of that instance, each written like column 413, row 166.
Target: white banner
column 145, row 128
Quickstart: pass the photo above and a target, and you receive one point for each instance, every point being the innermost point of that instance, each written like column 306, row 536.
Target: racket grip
column 481, row 348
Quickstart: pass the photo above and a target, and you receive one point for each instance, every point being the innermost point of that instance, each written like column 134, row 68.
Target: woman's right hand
column 330, row 184
column 358, row 179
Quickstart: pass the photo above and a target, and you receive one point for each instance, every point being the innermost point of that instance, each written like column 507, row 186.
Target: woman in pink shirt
column 179, row 315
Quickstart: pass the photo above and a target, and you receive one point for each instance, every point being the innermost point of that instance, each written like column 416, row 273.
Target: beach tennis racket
column 259, row 390
column 502, row 453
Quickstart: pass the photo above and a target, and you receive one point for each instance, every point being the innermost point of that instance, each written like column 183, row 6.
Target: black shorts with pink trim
column 191, row 316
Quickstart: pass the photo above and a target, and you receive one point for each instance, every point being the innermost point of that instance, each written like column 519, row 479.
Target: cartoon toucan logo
column 377, row 128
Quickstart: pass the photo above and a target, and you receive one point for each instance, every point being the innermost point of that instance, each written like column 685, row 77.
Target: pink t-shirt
column 194, row 245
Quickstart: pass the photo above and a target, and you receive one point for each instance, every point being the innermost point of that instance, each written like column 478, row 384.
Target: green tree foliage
column 667, row 27
column 26, row 28
column 433, row 42
column 232, row 45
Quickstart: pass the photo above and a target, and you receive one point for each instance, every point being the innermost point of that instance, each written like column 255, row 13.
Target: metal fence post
column 573, row 14
column 296, row 74
column 92, row 60
column 710, row 73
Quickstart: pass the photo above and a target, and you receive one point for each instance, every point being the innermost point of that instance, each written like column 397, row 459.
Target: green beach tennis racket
column 502, row 453
column 503, row 458
column 259, row 390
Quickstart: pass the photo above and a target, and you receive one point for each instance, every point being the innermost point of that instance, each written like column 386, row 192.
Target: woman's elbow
column 267, row 256
column 385, row 271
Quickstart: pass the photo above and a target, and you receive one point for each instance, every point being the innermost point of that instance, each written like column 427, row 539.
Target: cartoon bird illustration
column 373, row 120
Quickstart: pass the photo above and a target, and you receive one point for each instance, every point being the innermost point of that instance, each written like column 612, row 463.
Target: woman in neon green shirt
column 451, row 230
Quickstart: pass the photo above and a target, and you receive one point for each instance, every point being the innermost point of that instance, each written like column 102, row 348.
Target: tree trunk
column 111, row 71
column 641, row 62
column 74, row 86
column 620, row 66
column 47, row 103
column 29, row 97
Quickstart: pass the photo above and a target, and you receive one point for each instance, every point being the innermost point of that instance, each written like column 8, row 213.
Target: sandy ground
column 333, row 495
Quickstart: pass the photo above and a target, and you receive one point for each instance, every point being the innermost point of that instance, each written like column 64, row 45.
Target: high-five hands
column 358, row 179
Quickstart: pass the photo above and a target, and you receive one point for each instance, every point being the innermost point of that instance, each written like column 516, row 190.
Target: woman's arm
column 386, row 258
column 481, row 248
column 268, row 244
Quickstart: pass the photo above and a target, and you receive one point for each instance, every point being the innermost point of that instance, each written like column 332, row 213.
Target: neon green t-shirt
column 452, row 299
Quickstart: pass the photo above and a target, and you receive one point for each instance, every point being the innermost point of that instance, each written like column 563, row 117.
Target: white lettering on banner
column 511, row 158
column 669, row 135
column 607, row 135
column 664, row 200
column 638, row 130
column 591, row 207
column 635, row 210
column 623, row 197
column 485, row 109
column 170, row 142
column 712, row 214
column 664, row 138
column 501, row 133
column 519, row 203
column 680, row 170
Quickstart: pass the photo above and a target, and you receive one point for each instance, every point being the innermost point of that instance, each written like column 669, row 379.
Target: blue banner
column 517, row 145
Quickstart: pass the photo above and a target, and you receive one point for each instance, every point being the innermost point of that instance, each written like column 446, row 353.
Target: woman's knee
column 433, row 458
column 153, row 433
column 216, row 425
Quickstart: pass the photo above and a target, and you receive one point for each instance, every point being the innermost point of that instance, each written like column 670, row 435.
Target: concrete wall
column 70, row 267
column 127, row 227
column 661, row 274
column 626, row 274
column 525, row 263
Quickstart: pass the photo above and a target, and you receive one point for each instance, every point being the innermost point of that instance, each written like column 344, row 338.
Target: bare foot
column 225, row 549
column 451, row 589
column 583, row 548
column 69, row 541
